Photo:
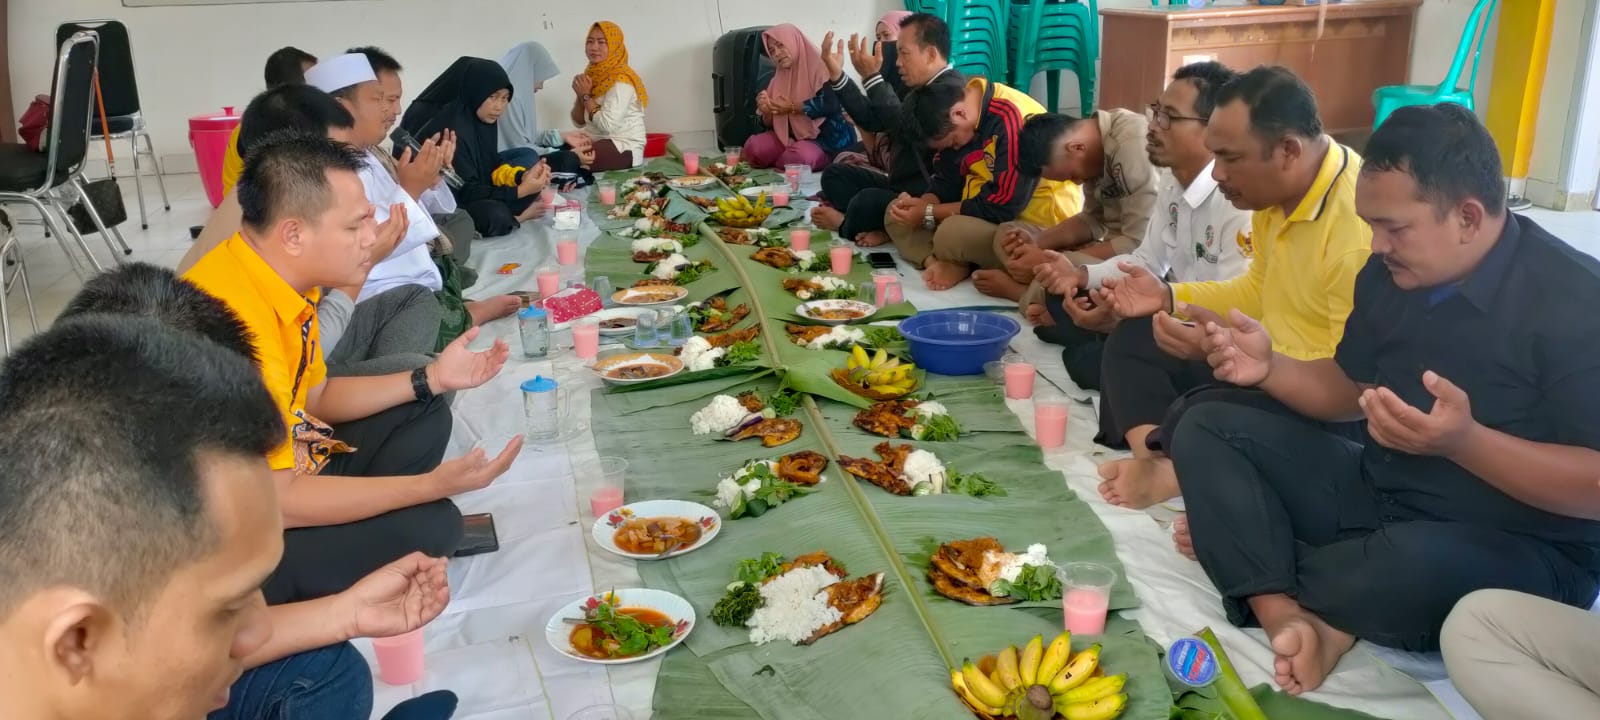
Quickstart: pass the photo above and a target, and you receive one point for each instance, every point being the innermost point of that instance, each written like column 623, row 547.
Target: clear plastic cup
column 1019, row 375
column 608, row 193
column 780, row 196
column 691, row 163
column 995, row 370
column 644, row 331
column 567, row 250
column 548, row 196
column 400, row 658
column 793, row 175
column 602, row 287
column 1050, row 419
column 586, row 338
column 840, row 254
column 549, row 279
column 1086, row 596
column 611, row 475
column 732, row 156
column 800, row 239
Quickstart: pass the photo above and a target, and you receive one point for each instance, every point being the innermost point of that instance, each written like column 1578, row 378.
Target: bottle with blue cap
column 535, row 328
column 541, row 404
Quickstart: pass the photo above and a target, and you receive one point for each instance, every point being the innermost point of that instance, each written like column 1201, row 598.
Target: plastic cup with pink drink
column 608, row 193
column 1019, row 374
column 733, row 156
column 691, row 162
column 549, row 279
column 610, row 475
column 792, row 175
column 586, row 338
column 800, row 239
column 567, row 250
column 840, row 254
column 399, row 657
column 780, row 196
column 1086, row 596
column 548, row 196
column 1050, row 419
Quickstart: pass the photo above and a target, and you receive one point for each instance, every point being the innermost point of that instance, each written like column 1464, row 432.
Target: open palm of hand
column 460, row 368
column 400, row 597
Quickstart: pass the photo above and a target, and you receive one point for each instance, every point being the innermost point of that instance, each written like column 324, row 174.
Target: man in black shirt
column 1473, row 353
column 860, row 195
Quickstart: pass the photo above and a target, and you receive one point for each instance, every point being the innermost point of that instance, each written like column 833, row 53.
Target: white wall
column 193, row 60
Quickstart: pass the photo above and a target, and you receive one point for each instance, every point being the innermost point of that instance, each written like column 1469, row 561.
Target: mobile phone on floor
column 478, row 536
column 881, row 261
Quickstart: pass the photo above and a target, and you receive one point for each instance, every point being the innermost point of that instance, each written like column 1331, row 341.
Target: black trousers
column 1083, row 349
column 863, row 194
column 1139, row 381
column 1279, row 505
column 401, row 441
column 494, row 218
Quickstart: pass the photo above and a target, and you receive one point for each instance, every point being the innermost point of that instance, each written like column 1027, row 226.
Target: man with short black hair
column 137, row 522
column 860, row 195
column 973, row 129
column 1471, row 352
column 285, row 66
column 307, row 225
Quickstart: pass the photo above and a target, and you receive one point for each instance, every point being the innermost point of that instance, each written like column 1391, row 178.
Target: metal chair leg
column 138, row 182
column 47, row 217
column 27, row 292
column 107, row 234
column 156, row 161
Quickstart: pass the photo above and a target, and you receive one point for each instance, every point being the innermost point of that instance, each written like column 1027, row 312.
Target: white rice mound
column 795, row 606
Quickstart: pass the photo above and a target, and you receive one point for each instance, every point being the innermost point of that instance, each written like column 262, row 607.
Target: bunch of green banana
column 880, row 373
column 738, row 211
column 1037, row 683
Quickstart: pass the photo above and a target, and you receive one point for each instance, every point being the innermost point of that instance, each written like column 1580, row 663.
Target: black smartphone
column 881, row 260
column 477, row 536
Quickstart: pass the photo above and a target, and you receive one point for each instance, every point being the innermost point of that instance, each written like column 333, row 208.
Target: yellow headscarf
column 614, row 67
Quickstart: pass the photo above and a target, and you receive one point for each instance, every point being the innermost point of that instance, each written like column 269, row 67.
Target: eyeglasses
column 1163, row 119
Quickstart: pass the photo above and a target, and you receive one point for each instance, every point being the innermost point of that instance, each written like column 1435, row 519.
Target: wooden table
column 1364, row 45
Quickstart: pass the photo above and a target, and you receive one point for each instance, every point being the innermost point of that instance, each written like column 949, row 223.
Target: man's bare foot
column 827, row 218
column 1022, row 262
column 494, row 308
column 872, row 238
column 996, row 283
column 1138, row 483
column 1037, row 315
column 535, row 210
column 1308, row 648
column 1181, row 538
column 943, row 275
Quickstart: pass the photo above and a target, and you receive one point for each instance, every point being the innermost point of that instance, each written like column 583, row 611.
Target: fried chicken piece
column 751, row 401
column 733, row 236
column 655, row 282
column 729, row 319
column 773, row 432
column 775, row 257
column 795, row 285
column 950, row 588
column 650, row 257
column 819, row 558
column 876, row 473
column 731, row 338
column 804, row 334
column 888, row 418
column 894, row 456
column 854, row 599
column 803, row 468
column 963, row 560
column 703, row 203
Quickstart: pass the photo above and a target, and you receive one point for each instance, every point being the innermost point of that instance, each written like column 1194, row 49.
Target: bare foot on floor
column 1180, row 537
column 1308, row 649
column 1037, row 316
column 943, row 275
column 1138, row 483
column 996, row 283
column 1023, row 261
column 872, row 238
column 827, row 218
column 494, row 308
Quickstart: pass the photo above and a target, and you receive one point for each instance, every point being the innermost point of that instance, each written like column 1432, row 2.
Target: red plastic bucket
column 209, row 135
column 655, row 144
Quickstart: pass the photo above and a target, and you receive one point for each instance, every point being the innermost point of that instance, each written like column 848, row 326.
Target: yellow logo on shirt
column 1246, row 248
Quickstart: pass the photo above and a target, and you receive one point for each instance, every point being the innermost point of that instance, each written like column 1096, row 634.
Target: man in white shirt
column 1193, row 233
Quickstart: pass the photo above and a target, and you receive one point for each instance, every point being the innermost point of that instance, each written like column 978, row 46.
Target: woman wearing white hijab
column 521, row 142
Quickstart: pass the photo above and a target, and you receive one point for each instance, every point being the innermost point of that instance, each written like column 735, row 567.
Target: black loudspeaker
column 738, row 62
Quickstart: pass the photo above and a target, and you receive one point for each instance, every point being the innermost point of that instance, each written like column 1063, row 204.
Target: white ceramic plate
column 755, row 192
column 605, row 528
column 607, row 364
column 692, row 182
column 558, row 632
column 636, row 296
column 809, row 310
column 618, row 314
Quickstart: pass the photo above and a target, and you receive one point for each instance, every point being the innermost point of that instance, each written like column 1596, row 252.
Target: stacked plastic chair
column 1052, row 36
column 978, row 37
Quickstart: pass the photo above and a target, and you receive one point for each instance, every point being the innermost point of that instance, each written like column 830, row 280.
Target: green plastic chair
column 1056, row 36
column 978, row 38
column 931, row 7
column 1390, row 98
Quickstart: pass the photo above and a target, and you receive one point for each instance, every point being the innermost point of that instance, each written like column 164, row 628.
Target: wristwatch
column 419, row 384
column 927, row 218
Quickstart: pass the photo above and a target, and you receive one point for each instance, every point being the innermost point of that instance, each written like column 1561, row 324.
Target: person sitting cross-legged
column 364, row 484
column 1470, row 352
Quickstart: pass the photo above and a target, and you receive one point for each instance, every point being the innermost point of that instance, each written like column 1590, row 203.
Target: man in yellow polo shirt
column 974, row 128
column 1306, row 245
column 286, row 66
column 366, row 487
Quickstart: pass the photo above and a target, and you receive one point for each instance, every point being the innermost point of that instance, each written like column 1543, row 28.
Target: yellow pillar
column 1521, row 50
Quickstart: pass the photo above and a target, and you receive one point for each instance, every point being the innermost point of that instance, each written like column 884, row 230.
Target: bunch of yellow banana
column 1038, row 683
column 883, row 375
column 738, row 211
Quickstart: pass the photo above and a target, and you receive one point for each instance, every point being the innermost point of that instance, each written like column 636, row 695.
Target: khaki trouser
column 1519, row 656
column 959, row 239
column 1035, row 294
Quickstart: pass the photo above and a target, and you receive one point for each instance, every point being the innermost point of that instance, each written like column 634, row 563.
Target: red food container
column 655, row 144
column 571, row 304
column 209, row 135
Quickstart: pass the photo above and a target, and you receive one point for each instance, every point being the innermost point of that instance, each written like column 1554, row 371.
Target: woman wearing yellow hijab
column 610, row 100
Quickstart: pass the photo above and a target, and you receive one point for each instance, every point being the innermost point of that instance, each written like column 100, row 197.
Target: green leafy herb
column 878, row 336
column 770, row 493
column 737, row 606
column 782, row 403
column 843, row 293
column 634, row 637
column 686, row 239
column 974, row 484
column 936, row 428
column 769, row 239
column 755, row 571
column 694, row 271
column 818, row 263
column 741, row 353
column 1034, row 582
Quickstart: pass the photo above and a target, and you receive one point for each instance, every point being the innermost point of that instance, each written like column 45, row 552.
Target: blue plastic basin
column 958, row 342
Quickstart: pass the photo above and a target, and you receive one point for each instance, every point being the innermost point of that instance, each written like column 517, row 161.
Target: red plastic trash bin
column 208, row 135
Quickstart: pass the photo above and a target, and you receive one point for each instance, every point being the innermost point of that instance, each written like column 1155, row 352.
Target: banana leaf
column 1205, row 705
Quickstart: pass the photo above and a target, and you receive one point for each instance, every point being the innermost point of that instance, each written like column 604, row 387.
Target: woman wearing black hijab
column 469, row 98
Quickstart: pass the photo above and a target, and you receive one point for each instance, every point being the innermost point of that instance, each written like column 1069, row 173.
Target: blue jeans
column 331, row 683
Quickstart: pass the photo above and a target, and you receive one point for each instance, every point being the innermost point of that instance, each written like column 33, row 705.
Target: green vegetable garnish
column 694, row 272
column 756, row 571
column 635, row 637
column 1035, row 582
column 973, row 484
column 878, row 336
column 937, row 428
column 772, row 492
column 737, row 606
column 741, row 353
column 783, row 403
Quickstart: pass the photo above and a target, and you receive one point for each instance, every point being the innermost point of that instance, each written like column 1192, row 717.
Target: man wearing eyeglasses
column 1105, row 154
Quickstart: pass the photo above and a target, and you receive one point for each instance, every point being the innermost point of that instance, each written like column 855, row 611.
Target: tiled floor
column 53, row 282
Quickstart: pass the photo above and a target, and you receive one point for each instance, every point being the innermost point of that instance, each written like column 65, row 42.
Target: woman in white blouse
column 610, row 100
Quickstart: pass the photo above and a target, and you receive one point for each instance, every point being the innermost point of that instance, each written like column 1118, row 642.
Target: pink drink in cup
column 1050, row 421
column 549, row 279
column 880, row 282
column 607, row 495
column 586, row 338
column 567, row 251
column 1019, row 380
column 1086, row 596
column 548, row 196
column 608, row 193
column 780, row 197
column 691, row 162
column 799, row 240
column 792, row 173
column 399, row 658
column 733, row 156
column 841, row 255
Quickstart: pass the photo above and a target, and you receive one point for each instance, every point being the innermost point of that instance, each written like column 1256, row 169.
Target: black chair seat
column 118, row 125
column 23, row 170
